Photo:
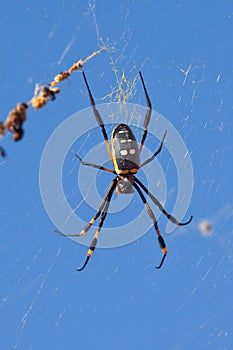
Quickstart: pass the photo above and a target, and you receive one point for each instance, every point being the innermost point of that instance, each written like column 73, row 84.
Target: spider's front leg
column 103, row 217
column 159, row 205
column 152, row 216
column 92, row 221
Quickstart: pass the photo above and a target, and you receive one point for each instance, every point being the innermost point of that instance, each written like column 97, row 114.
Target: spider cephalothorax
column 125, row 184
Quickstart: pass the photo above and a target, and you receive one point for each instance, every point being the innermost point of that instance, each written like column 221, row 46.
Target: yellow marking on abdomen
column 126, row 171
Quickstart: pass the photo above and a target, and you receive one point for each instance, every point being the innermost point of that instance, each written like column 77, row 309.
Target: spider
column 125, row 156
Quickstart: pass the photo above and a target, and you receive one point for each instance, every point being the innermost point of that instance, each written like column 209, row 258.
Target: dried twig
column 42, row 94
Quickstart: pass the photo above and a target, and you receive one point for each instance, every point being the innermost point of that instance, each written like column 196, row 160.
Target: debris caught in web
column 42, row 94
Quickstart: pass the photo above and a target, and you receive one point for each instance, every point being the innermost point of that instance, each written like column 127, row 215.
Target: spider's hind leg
column 98, row 117
column 148, row 114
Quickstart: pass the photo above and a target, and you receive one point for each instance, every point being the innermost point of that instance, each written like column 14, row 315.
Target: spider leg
column 98, row 117
column 159, row 205
column 94, row 241
column 156, row 153
column 92, row 221
column 95, row 165
column 152, row 216
column 2, row 152
column 148, row 114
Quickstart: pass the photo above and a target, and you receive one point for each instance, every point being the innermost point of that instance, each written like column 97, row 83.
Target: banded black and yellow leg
column 156, row 153
column 95, row 165
column 148, row 114
column 152, row 216
column 92, row 221
column 159, row 205
column 94, row 241
column 89, row 253
column 98, row 117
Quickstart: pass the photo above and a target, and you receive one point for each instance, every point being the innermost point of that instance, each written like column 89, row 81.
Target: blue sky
column 184, row 50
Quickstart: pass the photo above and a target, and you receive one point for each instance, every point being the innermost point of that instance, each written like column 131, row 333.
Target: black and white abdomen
column 125, row 150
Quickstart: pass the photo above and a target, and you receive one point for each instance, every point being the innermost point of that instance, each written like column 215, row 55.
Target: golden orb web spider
column 125, row 156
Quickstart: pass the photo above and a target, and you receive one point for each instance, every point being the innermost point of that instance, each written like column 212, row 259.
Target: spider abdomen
column 125, row 151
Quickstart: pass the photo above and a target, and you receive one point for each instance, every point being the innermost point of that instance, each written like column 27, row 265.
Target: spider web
column 188, row 304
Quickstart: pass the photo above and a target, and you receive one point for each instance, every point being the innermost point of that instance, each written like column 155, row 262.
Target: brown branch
column 42, row 94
